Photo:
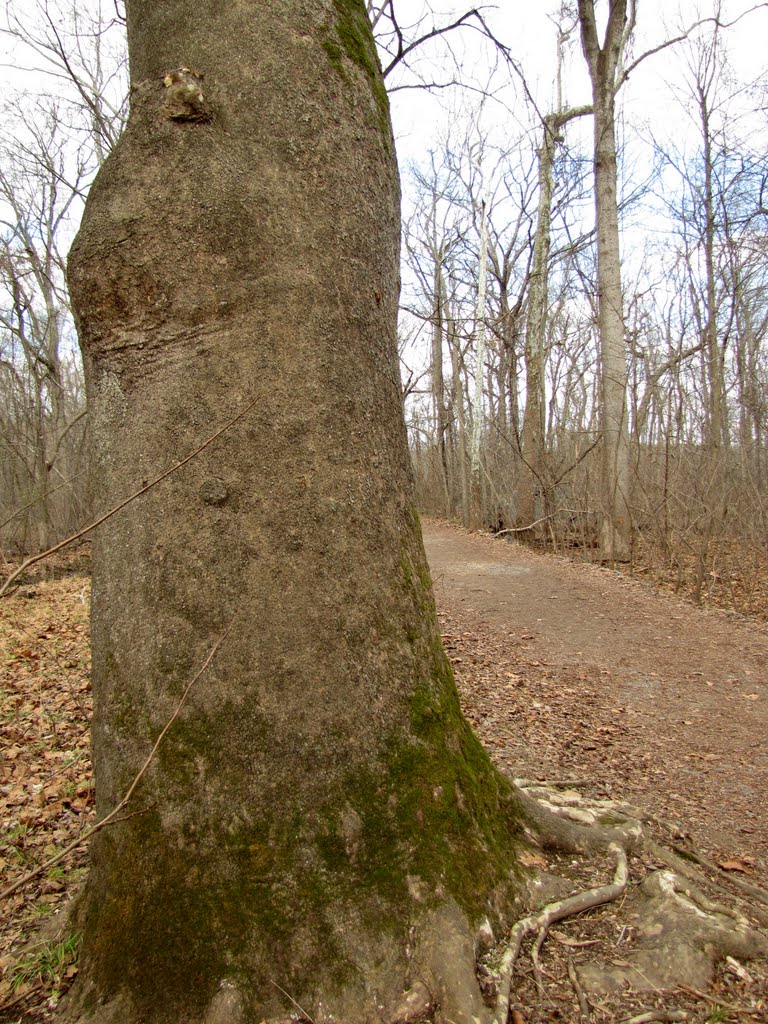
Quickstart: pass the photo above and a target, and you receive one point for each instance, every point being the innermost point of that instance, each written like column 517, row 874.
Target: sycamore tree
column 316, row 826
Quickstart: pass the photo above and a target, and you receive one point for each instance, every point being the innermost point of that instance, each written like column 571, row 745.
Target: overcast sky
column 529, row 31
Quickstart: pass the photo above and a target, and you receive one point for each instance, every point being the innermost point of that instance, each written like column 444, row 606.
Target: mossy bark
column 319, row 818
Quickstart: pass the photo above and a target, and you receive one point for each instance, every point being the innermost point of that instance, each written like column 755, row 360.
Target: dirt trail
column 574, row 671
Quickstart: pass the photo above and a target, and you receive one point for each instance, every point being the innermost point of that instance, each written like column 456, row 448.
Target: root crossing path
column 575, row 672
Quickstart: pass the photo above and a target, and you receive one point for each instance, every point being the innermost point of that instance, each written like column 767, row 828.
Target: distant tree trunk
column 532, row 440
column 533, row 477
column 319, row 827
column 459, row 406
column 439, row 301
column 602, row 62
column 478, row 412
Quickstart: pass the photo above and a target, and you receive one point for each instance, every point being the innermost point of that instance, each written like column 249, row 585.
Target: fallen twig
column 18, row 1000
column 544, row 519
column 115, row 814
column 555, row 912
column 715, row 1001
column 576, row 985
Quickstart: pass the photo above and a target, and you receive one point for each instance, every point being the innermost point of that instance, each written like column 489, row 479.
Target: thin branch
column 34, row 559
column 18, row 1000
column 76, row 419
column 681, row 38
column 745, row 1010
column 40, row 497
column 114, row 815
column 299, row 1008
column 530, row 526
column 580, row 995
column 403, row 51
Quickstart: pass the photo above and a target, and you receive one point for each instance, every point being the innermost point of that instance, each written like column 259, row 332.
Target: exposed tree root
column 570, row 829
column 744, row 1011
column 580, row 995
column 554, row 912
column 683, row 862
column 676, row 927
column 746, row 887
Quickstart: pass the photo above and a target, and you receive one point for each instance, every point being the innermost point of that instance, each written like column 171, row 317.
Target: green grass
column 47, row 964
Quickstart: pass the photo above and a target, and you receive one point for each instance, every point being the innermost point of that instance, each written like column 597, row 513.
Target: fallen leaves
column 745, row 865
column 46, row 792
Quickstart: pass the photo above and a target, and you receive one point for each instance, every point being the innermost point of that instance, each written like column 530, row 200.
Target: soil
column 576, row 672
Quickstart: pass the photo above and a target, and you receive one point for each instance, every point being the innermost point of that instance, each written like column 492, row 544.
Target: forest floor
column 574, row 671
column 577, row 673
column 569, row 672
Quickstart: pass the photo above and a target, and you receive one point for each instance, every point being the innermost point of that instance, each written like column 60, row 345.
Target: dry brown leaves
column 46, row 797
column 534, row 719
column 730, row 574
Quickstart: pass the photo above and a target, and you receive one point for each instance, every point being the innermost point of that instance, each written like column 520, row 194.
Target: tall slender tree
column 603, row 62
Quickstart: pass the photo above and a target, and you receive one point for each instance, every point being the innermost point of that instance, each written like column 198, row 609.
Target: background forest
column 523, row 415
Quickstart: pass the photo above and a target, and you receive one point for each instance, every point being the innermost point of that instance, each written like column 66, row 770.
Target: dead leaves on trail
column 744, row 865
column 571, row 722
column 46, row 796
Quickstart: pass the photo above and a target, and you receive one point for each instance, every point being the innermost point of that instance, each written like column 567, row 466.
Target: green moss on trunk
column 431, row 819
column 354, row 40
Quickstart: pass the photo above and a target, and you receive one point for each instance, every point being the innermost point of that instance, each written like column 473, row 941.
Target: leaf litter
column 46, row 788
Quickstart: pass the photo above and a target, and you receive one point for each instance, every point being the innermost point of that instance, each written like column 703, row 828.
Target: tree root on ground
column 554, row 912
column 677, row 932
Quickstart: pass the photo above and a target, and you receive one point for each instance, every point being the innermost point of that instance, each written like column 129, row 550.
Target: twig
column 662, row 1016
column 719, row 1002
column 299, row 1008
column 34, row 559
column 113, row 816
column 530, row 526
column 4, row 1007
column 576, row 985
column 555, row 912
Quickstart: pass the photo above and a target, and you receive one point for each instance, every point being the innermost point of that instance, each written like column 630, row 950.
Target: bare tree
column 605, row 71
column 40, row 180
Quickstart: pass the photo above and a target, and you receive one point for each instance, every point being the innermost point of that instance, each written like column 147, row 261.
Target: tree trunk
column 438, row 383
column 319, row 827
column 616, row 524
column 478, row 412
column 533, row 435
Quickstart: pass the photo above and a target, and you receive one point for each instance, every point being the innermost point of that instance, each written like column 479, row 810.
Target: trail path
column 576, row 672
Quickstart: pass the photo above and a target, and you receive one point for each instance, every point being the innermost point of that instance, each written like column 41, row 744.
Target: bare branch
column 34, row 559
column 681, row 38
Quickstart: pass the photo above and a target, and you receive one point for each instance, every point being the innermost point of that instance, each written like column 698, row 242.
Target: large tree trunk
column 319, row 826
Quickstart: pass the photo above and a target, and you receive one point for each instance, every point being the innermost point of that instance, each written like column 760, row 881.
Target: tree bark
column 319, row 826
column 602, row 62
